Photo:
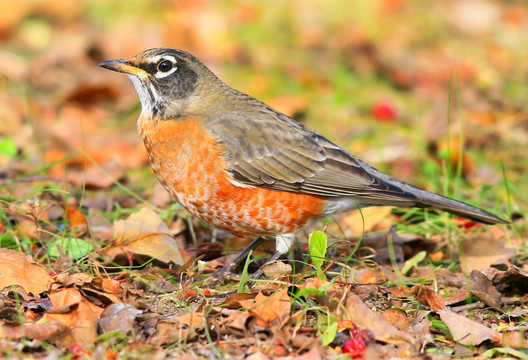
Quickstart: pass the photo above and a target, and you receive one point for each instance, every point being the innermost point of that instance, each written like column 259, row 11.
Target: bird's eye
column 165, row 66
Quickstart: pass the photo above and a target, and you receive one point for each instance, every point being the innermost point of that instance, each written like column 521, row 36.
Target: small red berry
column 354, row 347
column 75, row 348
column 383, row 110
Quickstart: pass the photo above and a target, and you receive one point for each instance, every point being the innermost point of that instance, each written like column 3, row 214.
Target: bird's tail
column 431, row 200
column 416, row 197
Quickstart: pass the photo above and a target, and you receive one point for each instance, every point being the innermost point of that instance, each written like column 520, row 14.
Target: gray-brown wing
column 269, row 149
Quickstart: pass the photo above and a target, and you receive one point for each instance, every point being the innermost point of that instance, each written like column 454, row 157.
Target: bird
column 247, row 169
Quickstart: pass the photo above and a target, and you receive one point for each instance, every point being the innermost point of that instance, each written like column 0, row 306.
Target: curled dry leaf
column 464, row 330
column 276, row 270
column 144, row 233
column 237, row 323
column 360, row 313
column 19, row 269
column 480, row 285
column 118, row 316
column 428, row 297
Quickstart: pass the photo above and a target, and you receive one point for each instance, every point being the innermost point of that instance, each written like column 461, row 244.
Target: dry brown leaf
column 82, row 318
column 169, row 331
column 51, row 331
column 118, row 316
column 369, row 218
column 428, row 297
column 482, row 251
column 397, row 317
column 276, row 270
column 269, row 308
column 419, row 328
column 18, row 269
column 480, row 285
column 239, row 301
column 466, row 331
column 144, row 233
column 78, row 279
column 237, row 322
column 457, row 297
column 359, row 313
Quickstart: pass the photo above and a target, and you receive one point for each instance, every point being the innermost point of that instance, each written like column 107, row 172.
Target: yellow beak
column 123, row 66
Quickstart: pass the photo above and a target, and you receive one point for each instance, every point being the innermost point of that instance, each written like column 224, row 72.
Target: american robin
column 245, row 168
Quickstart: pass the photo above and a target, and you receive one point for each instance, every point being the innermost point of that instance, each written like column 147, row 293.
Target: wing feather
column 294, row 158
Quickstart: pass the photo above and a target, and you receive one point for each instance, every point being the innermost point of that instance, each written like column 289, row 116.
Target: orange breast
column 191, row 165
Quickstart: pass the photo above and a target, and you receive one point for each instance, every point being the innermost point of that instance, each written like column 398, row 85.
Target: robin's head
column 165, row 79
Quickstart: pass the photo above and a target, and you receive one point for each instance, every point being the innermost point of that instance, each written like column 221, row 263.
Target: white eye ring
column 162, row 59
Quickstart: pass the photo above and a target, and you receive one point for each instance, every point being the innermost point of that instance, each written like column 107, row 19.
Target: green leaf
column 506, row 350
column 317, row 246
column 244, row 278
column 310, row 291
column 412, row 262
column 329, row 334
column 75, row 248
column 8, row 147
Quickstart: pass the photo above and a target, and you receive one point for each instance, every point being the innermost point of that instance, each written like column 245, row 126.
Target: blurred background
column 408, row 86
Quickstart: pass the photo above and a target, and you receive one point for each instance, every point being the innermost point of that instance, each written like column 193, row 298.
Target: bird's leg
column 228, row 268
column 283, row 245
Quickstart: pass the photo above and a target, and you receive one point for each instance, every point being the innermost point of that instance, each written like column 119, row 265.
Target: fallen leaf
column 51, row 331
column 237, row 323
column 419, row 328
column 369, row 218
column 269, row 308
column 118, row 316
column 514, row 276
column 397, row 318
column 276, row 270
column 428, row 297
column 466, row 331
column 457, row 297
column 182, row 327
column 19, row 269
column 481, row 286
column 82, row 318
column 482, row 251
column 144, row 233
column 360, row 314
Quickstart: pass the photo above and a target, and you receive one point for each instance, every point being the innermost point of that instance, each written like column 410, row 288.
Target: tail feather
column 461, row 209
column 426, row 199
column 430, row 200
